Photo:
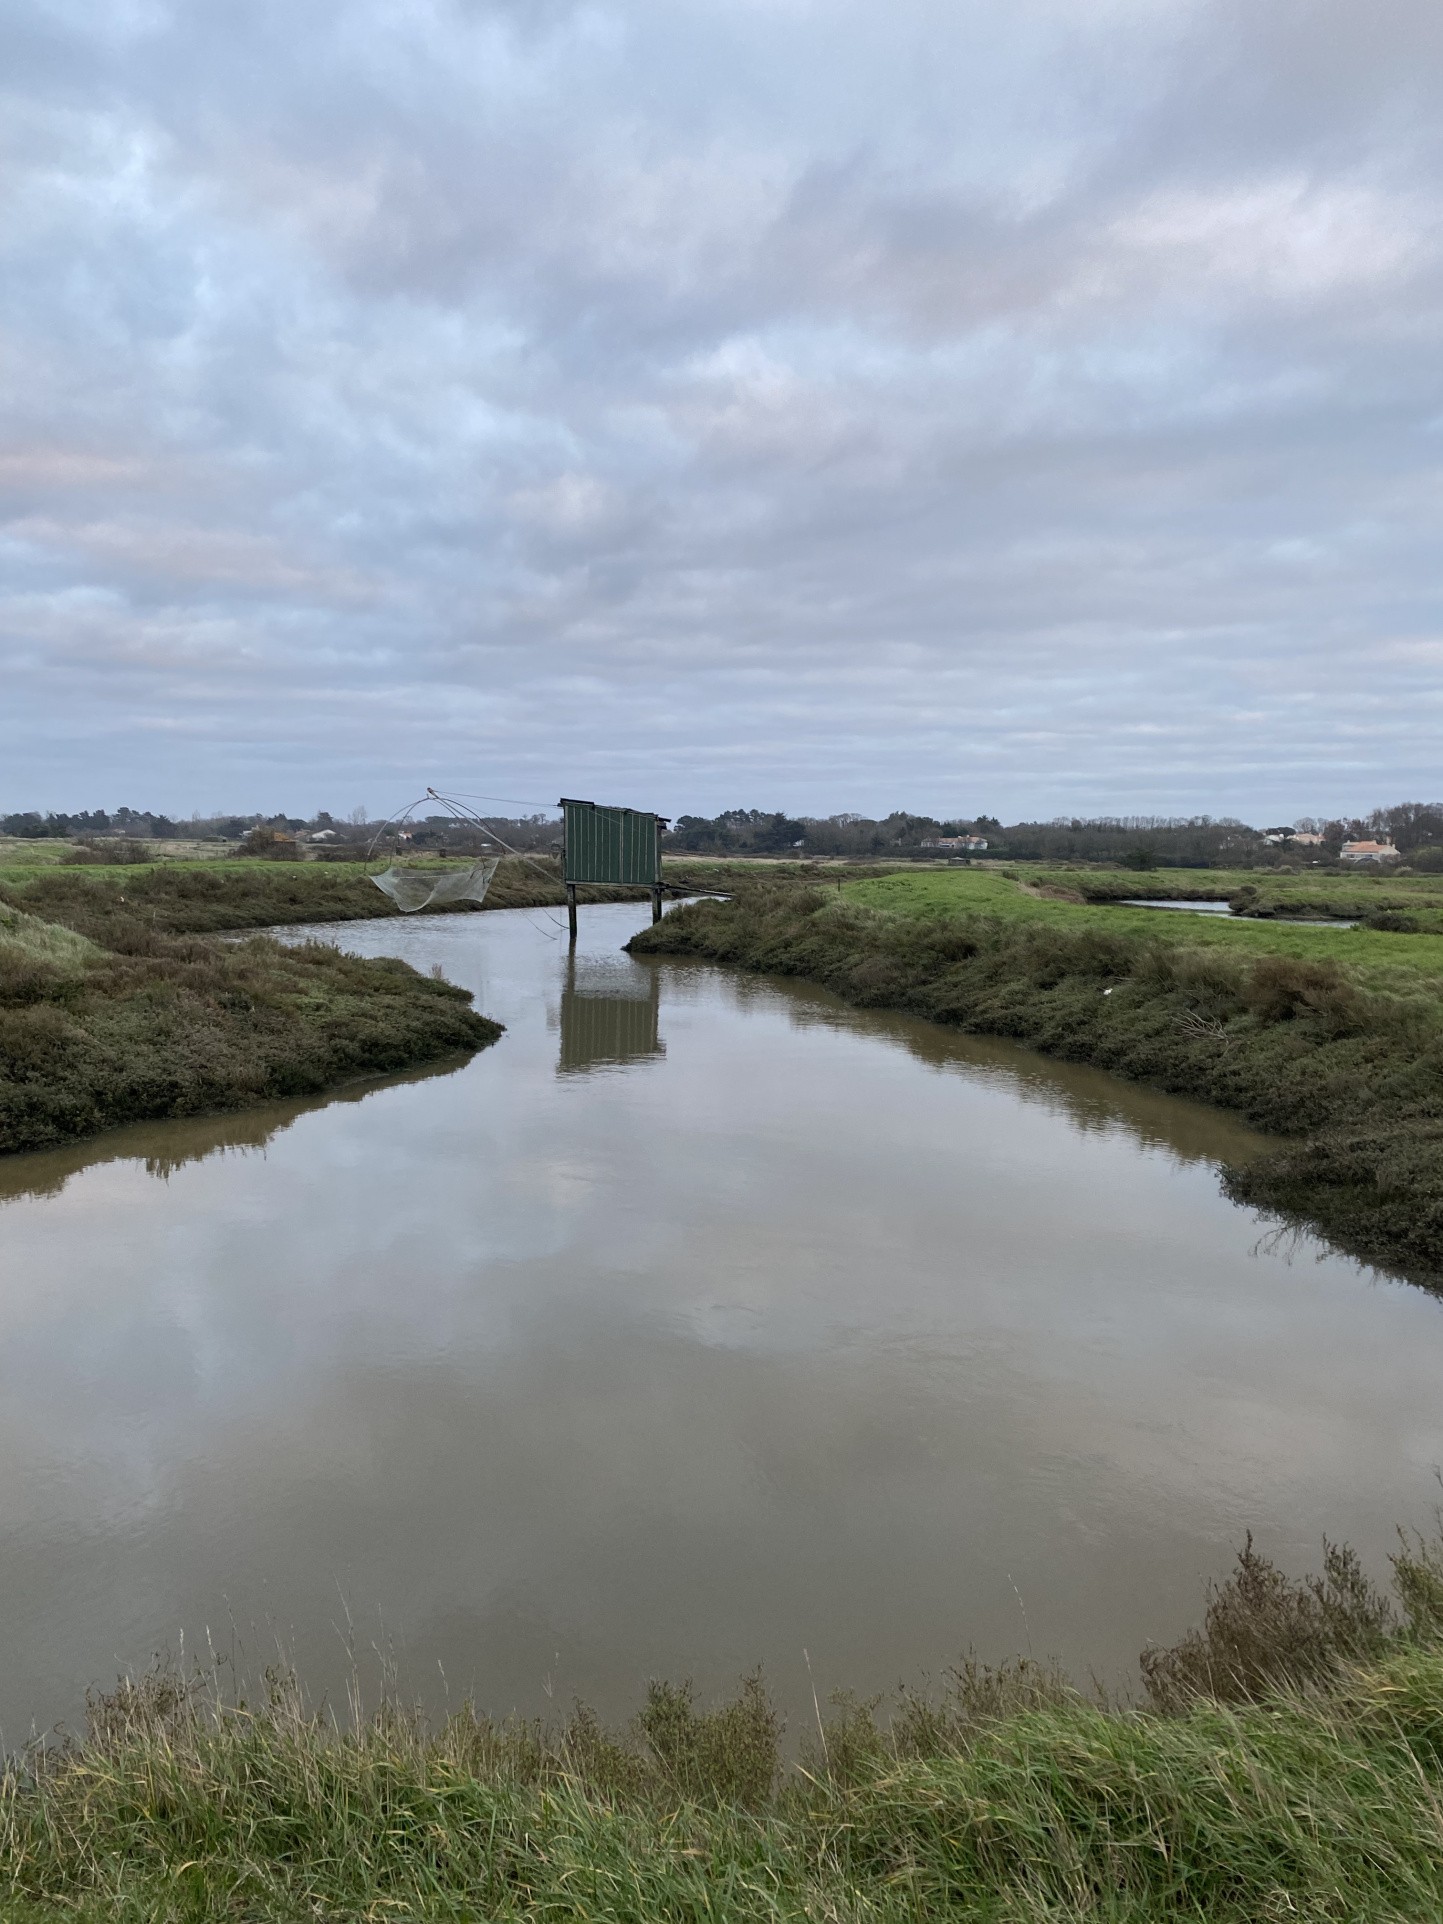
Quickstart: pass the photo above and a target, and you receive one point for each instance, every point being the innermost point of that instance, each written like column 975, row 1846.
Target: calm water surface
column 700, row 1322
column 1224, row 908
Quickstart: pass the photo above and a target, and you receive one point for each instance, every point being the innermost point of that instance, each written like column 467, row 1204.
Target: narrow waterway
column 701, row 1322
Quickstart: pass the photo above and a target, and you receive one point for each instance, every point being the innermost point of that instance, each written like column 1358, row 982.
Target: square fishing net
column 412, row 889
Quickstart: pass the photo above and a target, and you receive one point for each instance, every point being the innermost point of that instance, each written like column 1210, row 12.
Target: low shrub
column 206, row 898
column 730, row 1755
column 154, row 1025
column 116, row 853
column 1280, row 988
column 269, row 845
column 1264, row 1632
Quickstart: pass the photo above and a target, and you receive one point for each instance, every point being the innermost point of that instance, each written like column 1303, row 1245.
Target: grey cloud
column 762, row 402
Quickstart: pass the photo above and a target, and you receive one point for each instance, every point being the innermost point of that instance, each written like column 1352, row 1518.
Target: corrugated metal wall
column 611, row 844
column 600, row 1030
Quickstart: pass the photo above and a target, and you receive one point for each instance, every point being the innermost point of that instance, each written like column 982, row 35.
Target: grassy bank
column 1092, row 899
column 201, row 898
column 213, row 896
column 1352, row 894
column 1287, row 1762
column 118, row 1005
column 1341, row 1058
column 117, row 1021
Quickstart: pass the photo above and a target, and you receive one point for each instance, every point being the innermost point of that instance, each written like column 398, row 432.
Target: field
column 1082, row 899
column 217, row 896
column 1287, row 1763
column 1331, row 1039
column 207, row 897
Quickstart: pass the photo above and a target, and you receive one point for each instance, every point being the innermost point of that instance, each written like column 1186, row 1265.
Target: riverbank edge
column 125, row 997
column 144, row 1026
column 211, row 898
column 1288, row 1761
column 1349, row 1079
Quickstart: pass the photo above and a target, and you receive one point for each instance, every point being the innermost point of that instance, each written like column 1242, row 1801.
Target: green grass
column 1290, row 1766
column 1374, row 954
column 26, row 938
column 1341, row 1060
column 1323, row 891
column 23, row 853
column 217, row 896
column 121, row 1022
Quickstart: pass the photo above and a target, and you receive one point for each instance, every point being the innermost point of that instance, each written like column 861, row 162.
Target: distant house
column 1368, row 852
column 957, row 844
column 321, row 835
column 1302, row 840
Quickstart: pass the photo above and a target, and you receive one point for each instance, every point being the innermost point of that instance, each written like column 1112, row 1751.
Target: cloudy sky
column 812, row 403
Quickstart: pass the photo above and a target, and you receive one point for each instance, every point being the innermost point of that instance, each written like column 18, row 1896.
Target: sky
column 1032, row 409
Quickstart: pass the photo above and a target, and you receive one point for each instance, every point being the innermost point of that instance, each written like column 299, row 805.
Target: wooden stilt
column 571, row 910
column 656, row 905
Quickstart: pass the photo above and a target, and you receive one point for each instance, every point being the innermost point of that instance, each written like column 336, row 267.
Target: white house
column 1368, row 852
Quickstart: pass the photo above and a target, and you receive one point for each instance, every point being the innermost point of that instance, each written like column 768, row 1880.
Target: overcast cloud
column 1033, row 408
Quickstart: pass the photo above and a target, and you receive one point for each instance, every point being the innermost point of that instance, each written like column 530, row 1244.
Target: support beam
column 656, row 905
column 571, row 910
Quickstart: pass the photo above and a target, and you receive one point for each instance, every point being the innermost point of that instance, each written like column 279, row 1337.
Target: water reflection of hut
column 610, row 1015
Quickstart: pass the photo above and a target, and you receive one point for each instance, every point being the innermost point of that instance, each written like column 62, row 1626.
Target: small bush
column 1281, row 988
column 1418, row 1580
column 1264, row 1632
column 92, row 853
column 269, row 845
column 730, row 1755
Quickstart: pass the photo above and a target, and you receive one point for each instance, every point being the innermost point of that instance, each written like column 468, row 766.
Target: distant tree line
column 755, row 831
column 261, row 831
column 1138, row 841
column 95, row 821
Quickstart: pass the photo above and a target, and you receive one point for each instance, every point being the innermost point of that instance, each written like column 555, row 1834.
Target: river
column 702, row 1322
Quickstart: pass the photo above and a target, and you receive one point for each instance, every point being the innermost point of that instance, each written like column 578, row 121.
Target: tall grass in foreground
column 1289, row 1764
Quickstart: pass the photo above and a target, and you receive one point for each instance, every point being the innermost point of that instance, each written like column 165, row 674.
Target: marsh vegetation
column 1286, row 1761
column 108, row 1017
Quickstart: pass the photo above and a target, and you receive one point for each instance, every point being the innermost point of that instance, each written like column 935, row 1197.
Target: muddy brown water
column 701, row 1322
